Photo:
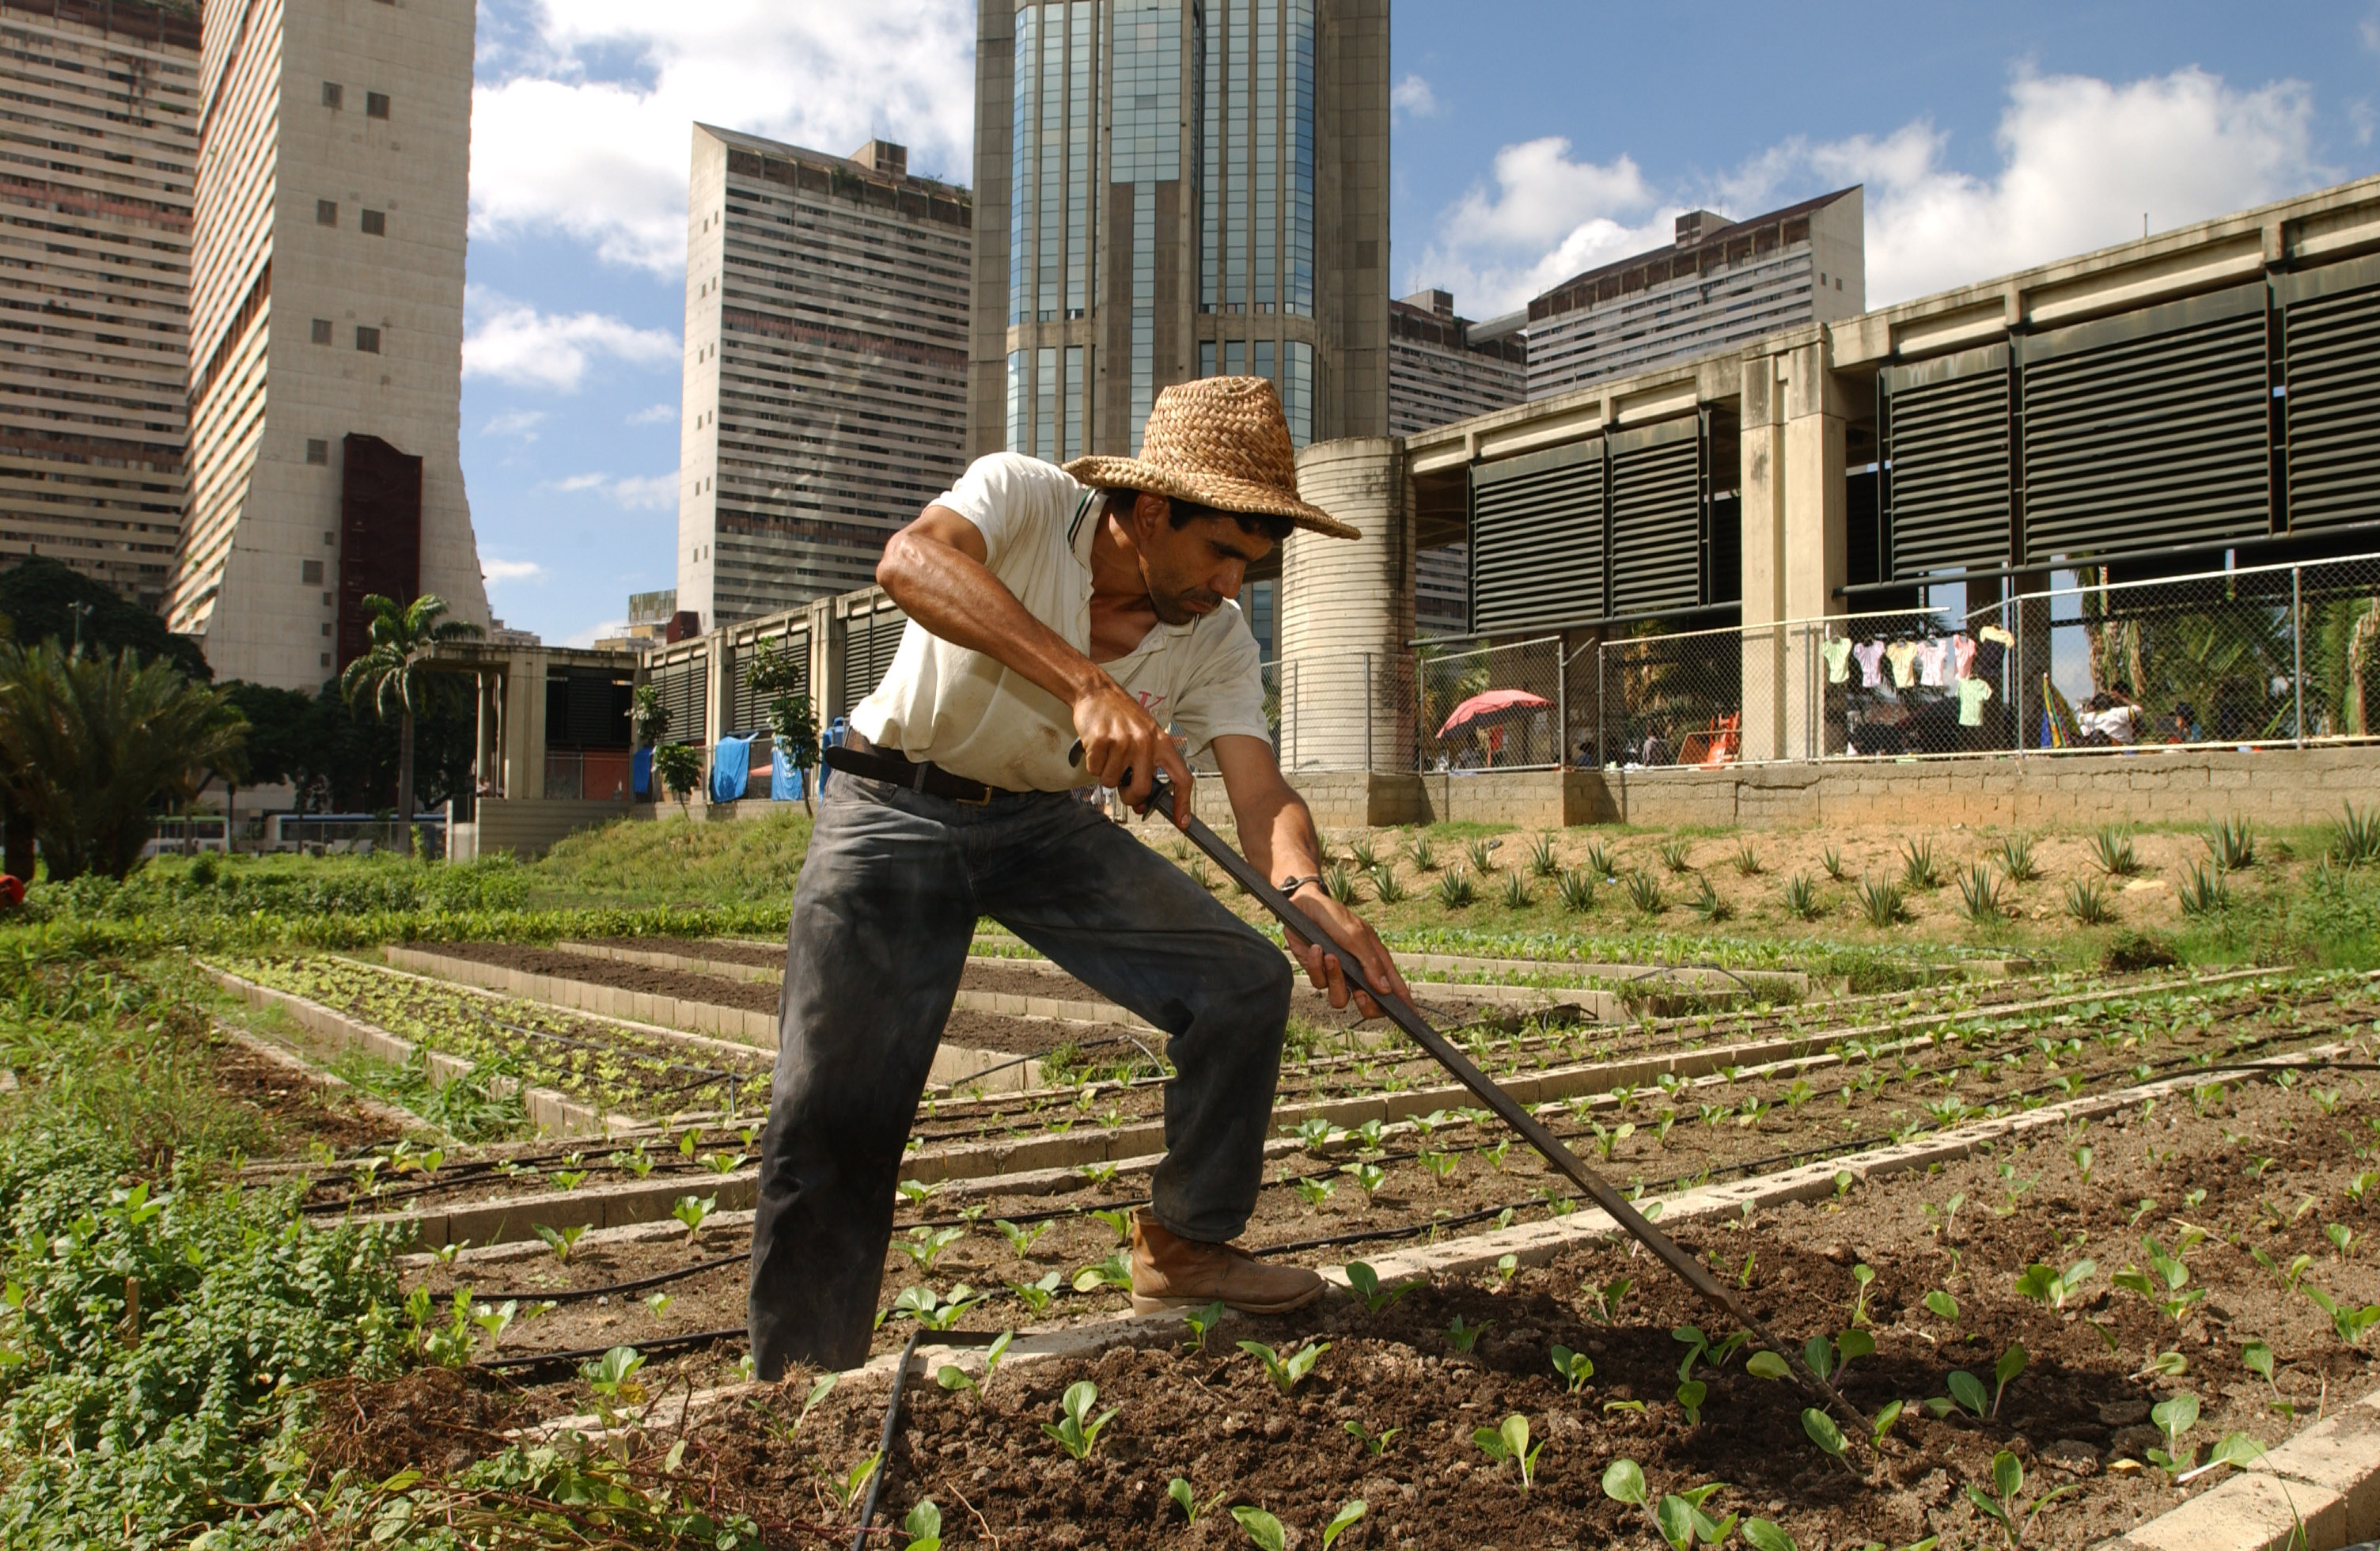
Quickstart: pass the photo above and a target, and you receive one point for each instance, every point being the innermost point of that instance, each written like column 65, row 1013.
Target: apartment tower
column 1177, row 188
column 1723, row 285
column 97, row 155
column 326, row 331
column 825, row 383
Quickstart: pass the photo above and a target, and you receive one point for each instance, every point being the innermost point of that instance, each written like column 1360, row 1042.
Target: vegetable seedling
column 2257, row 1358
column 2054, row 1287
column 1826, row 1434
column 1462, row 1337
column 1314, row 1192
column 1365, row 1283
column 1200, row 1322
column 1865, row 1276
column 1114, row 1271
column 2349, row 1322
column 693, row 1211
column 1076, row 1431
column 925, row 1245
column 1118, row 1223
column 1020, row 1238
column 1575, row 1367
column 2236, row 1449
column 923, row 1525
column 1375, row 1444
column 1286, row 1373
column 1036, row 1295
column 1339, row 1521
column 1690, row 1396
column 1609, row 1296
column 1263, row 1529
column 1187, row 1500
column 560, row 1241
column 847, row 1487
column 1678, row 1517
column 1367, row 1174
column 2173, row 1418
column 1510, row 1442
column 2001, row 1504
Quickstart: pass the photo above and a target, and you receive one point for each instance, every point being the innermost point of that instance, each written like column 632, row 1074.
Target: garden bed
column 2214, row 1190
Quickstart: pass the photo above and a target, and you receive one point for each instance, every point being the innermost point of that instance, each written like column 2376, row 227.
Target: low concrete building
column 1443, row 369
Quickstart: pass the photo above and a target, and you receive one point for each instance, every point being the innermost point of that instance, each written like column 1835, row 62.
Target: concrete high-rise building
column 1723, row 285
column 826, row 368
column 97, row 153
column 1177, row 188
column 326, row 331
column 1443, row 369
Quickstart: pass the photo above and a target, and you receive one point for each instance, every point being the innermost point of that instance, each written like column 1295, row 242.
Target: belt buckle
column 984, row 801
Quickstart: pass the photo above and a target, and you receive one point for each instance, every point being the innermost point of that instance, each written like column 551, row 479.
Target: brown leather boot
column 1175, row 1273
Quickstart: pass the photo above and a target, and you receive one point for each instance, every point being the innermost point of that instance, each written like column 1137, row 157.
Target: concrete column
column 1817, row 508
column 1762, row 499
column 1345, row 613
column 523, row 727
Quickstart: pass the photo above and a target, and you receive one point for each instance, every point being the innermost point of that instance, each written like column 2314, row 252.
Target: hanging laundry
column 1871, row 661
column 1965, row 647
column 1934, row 665
column 1903, row 656
column 1837, row 654
column 1973, row 693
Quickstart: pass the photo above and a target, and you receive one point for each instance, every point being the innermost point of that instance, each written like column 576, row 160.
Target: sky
column 1532, row 138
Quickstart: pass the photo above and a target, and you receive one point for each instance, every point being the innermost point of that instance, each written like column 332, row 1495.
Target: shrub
column 2130, row 951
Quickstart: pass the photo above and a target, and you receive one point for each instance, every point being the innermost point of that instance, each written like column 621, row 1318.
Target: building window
column 326, row 212
column 310, row 572
column 375, row 223
column 321, row 331
column 326, row 627
column 376, row 104
column 333, row 95
column 368, row 340
column 317, row 451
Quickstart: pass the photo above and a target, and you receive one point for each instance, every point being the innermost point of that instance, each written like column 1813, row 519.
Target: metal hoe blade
column 1507, row 1109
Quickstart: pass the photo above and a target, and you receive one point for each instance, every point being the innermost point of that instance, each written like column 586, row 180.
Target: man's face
column 1192, row 569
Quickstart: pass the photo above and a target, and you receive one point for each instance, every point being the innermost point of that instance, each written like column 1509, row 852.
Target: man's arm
column 1277, row 836
column 935, row 569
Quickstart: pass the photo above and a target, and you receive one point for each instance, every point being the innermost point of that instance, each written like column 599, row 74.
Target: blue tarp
column 640, row 771
column 731, row 768
column 785, row 782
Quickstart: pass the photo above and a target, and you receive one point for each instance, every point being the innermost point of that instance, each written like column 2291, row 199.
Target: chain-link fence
column 1490, row 706
column 2255, row 656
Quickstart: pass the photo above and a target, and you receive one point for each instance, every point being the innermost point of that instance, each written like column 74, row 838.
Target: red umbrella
column 1480, row 707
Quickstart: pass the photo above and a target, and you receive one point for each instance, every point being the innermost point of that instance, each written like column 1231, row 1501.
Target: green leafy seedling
column 1967, row 1390
column 2350, row 1323
column 1202, row 1321
column 2044, row 1285
column 1263, row 1529
column 1768, row 1365
column 1187, row 1500
column 2237, row 1450
column 851, row 1482
column 1826, row 1434
column 1884, row 1422
column 1691, row 1395
column 2002, row 1505
column 1942, row 1305
column 1036, row 1295
column 1342, row 1521
column 2173, row 1418
column 1510, row 1442
column 924, row 1527
column 1286, row 1373
column 1114, row 1271
column 560, row 1241
column 925, row 1245
column 1575, row 1367
column 1020, row 1238
column 2012, row 1364
column 1763, row 1534
column 1365, row 1283
column 693, row 1212
column 1462, row 1337
column 1375, row 1444
column 1076, row 1431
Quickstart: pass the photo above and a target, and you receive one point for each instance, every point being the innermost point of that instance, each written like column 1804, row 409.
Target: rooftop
column 1705, row 241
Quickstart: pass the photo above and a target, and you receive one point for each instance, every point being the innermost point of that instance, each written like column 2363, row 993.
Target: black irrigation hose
column 580, row 1294
column 590, row 1353
column 893, row 1417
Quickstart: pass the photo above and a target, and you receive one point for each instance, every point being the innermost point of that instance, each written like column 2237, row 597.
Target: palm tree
column 87, row 744
column 395, row 672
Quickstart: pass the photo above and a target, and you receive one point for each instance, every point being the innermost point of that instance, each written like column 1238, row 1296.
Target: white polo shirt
column 966, row 712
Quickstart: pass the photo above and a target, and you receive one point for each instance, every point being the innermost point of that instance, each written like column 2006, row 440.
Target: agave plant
column 2231, row 845
column 1882, row 902
column 1918, row 869
column 1673, row 855
column 1455, row 890
column 1979, row 896
column 2088, row 903
column 2112, row 849
column 2206, row 891
column 1577, row 890
column 1644, row 893
column 2017, row 861
column 2355, row 840
column 1801, row 897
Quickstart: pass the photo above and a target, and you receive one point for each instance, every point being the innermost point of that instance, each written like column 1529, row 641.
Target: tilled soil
column 2076, row 1410
column 295, row 1108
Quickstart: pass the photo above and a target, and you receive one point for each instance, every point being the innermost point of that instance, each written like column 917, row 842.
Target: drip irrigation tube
column 580, row 1294
column 893, row 1417
column 590, row 1353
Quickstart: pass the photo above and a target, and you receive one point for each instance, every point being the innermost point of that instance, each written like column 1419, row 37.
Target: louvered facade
column 748, row 709
column 2331, row 336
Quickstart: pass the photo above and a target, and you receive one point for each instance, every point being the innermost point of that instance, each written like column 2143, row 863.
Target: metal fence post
column 2016, row 701
column 1562, row 705
column 2297, row 647
column 1601, row 758
column 1367, row 711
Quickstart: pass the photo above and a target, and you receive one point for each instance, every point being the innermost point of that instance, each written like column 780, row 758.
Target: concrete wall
column 528, row 826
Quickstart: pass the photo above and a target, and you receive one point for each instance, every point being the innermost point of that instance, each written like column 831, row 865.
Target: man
column 1050, row 606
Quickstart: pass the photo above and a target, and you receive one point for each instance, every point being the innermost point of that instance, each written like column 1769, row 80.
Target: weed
column 2130, row 951
column 1510, row 1442
column 1516, row 892
column 1708, row 903
column 2341, row 1237
column 1286, row 1373
column 2231, row 845
column 1644, row 893
column 1673, row 855
column 2111, row 848
column 1543, row 863
column 1747, row 861
column 1832, row 860
column 1575, row 1367
column 1979, row 896
column 2001, row 1505
column 2204, row 892
column 1455, row 890
column 1883, row 905
column 2355, row 839
column 1801, row 897
column 2017, row 860
column 1576, row 890
column 1076, row 1430
column 2088, row 903
column 1462, row 1337
column 1918, row 869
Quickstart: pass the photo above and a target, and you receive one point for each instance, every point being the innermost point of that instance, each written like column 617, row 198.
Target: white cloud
column 499, row 572
column 564, row 144
column 1413, row 98
column 653, row 415
column 637, row 492
column 611, row 629
column 2079, row 160
column 513, row 343
column 522, row 423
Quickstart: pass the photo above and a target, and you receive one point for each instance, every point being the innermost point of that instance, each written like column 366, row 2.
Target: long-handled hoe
column 1505, row 1107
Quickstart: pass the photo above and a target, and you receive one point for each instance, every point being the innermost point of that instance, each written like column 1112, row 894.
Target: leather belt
column 897, row 769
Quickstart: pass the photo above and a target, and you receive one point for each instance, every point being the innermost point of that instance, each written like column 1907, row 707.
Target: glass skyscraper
column 1170, row 189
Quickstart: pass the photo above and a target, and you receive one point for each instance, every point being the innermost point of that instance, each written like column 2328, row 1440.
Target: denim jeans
column 883, row 915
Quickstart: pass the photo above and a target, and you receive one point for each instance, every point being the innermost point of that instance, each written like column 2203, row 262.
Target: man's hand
column 1351, row 933
column 1123, row 747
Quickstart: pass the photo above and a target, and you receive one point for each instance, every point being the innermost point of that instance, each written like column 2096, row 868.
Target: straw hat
column 1221, row 441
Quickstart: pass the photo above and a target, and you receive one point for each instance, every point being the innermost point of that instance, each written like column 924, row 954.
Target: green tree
column 394, row 672
column 793, row 725
column 650, row 718
column 88, row 744
column 678, row 767
column 49, row 601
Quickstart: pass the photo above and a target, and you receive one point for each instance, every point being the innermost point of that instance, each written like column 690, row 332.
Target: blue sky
column 1533, row 141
